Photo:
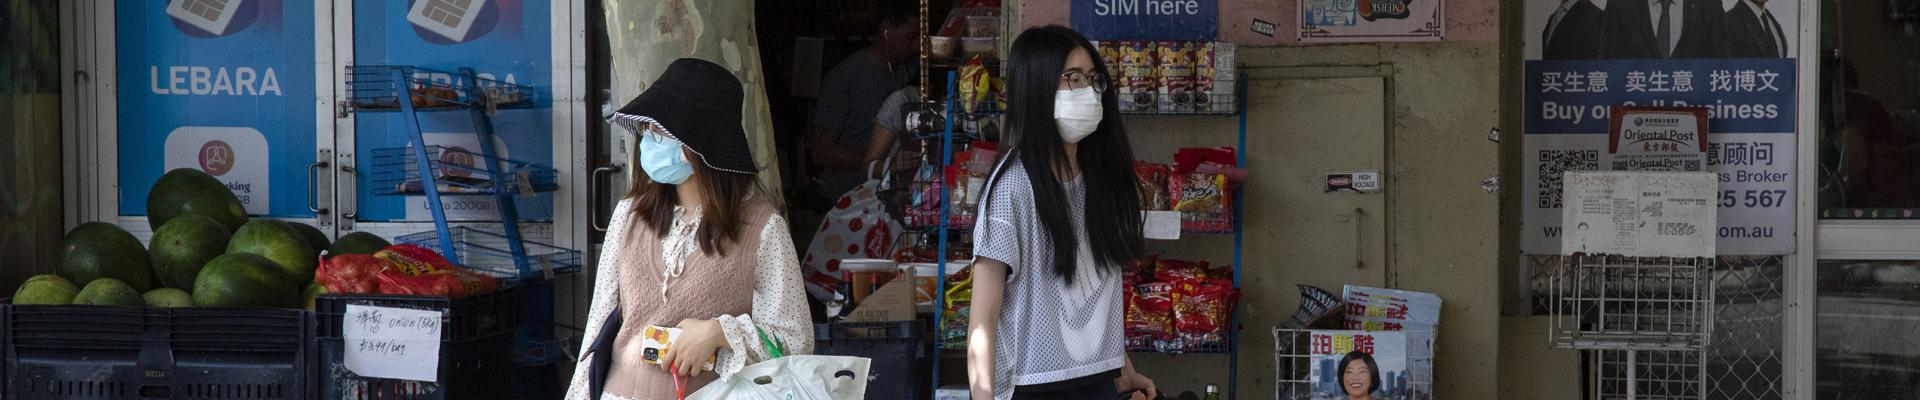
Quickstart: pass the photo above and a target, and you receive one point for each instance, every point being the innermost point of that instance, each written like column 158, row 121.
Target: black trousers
column 1094, row 389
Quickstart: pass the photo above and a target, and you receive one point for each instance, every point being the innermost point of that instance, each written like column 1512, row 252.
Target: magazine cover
column 1377, row 309
column 1378, row 363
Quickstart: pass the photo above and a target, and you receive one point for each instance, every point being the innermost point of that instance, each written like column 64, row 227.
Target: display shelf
column 375, row 88
column 488, row 253
column 1159, row 103
column 456, row 171
column 1206, row 223
column 1220, row 348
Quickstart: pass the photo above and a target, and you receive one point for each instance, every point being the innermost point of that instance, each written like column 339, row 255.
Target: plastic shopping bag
column 793, row 378
column 858, row 226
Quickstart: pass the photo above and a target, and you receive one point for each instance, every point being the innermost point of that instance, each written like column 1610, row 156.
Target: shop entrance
column 1302, row 125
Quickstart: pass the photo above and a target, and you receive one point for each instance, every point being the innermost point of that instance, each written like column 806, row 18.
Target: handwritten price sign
column 393, row 343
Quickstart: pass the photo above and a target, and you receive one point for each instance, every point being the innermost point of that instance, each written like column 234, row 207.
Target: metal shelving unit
column 943, row 230
column 436, row 171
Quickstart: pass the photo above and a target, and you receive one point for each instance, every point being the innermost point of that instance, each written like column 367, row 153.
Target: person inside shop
column 852, row 93
column 1359, row 376
column 695, row 245
column 1059, row 222
column 891, row 134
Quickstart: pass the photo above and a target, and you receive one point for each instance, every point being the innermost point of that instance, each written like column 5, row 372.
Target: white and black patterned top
column 779, row 302
column 1049, row 331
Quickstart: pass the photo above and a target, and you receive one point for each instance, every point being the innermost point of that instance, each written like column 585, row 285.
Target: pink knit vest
column 712, row 285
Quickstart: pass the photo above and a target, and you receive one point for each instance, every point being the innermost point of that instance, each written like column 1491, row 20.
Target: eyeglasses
column 1081, row 80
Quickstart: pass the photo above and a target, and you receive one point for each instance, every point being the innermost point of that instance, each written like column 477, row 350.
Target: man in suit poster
column 1653, row 29
column 1575, row 30
column 1749, row 30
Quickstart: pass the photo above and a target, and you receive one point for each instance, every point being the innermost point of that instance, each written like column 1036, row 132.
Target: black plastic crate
column 467, row 318
column 476, row 348
column 98, row 352
column 898, row 350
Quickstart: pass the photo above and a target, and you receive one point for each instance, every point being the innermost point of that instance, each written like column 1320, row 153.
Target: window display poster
column 508, row 41
column 223, row 87
column 1334, row 21
column 1584, row 57
column 1146, row 19
column 1404, row 361
column 1640, row 214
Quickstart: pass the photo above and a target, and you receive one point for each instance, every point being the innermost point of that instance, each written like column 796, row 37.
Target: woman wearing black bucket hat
column 695, row 245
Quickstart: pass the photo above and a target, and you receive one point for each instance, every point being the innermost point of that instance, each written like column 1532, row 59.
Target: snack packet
column 412, row 259
column 1152, row 182
column 1200, row 310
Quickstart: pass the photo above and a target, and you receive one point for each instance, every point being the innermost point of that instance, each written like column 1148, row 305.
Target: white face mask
column 1077, row 112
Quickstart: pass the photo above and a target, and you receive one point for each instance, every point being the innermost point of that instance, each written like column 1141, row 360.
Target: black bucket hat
column 697, row 103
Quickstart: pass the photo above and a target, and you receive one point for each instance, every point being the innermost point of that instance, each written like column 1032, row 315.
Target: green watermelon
column 358, row 243
column 109, row 292
column 45, row 289
column 315, row 238
column 168, row 298
column 186, row 191
column 100, row 250
column 244, row 280
column 279, row 242
column 312, row 294
column 183, row 245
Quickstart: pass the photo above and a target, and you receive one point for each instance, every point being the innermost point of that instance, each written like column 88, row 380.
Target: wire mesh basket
column 1612, row 302
column 487, row 253
column 1302, row 357
column 1646, row 374
column 456, row 171
column 374, row 88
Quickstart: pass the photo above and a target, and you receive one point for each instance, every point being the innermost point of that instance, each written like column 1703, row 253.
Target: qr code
column 1553, row 163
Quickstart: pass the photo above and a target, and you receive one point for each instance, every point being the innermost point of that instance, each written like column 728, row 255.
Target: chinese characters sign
column 1377, row 309
column 1585, row 57
column 1657, row 139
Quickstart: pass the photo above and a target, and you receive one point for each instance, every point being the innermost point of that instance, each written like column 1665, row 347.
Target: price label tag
column 392, row 343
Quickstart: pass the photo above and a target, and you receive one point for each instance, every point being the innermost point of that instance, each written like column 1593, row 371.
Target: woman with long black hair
column 1060, row 220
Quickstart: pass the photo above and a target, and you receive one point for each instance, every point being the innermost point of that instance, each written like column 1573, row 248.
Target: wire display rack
column 1646, row 374
column 487, row 252
column 1294, row 367
column 457, row 171
column 1611, row 302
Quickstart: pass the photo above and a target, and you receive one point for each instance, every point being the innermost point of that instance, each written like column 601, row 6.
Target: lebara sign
column 1146, row 19
column 220, row 86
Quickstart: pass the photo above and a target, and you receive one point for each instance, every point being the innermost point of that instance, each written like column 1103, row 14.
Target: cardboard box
column 1137, row 92
column 1174, row 60
column 892, row 302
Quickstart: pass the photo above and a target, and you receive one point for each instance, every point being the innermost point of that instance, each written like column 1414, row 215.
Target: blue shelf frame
column 1231, row 349
column 392, row 88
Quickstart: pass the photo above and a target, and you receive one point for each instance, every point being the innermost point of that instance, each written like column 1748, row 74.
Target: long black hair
column 1105, row 158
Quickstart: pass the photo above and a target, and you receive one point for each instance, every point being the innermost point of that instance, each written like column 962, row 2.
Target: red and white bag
column 858, row 226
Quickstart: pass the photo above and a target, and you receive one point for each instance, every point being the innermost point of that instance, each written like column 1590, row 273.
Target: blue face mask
column 663, row 160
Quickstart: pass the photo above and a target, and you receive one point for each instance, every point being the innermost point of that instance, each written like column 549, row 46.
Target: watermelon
column 45, row 289
column 109, row 292
column 168, row 298
column 183, row 245
column 100, row 250
column 279, row 242
column 312, row 294
column 315, row 238
column 186, row 191
column 244, row 280
column 358, row 243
